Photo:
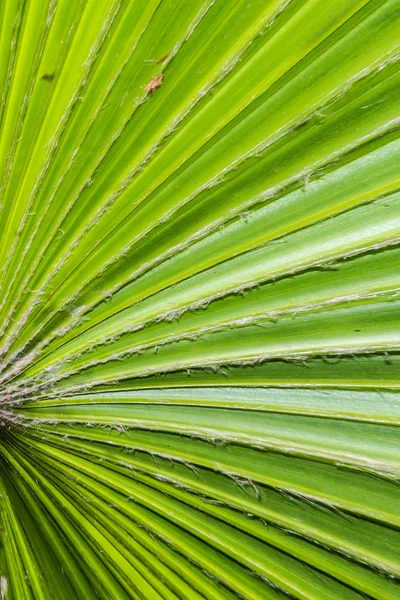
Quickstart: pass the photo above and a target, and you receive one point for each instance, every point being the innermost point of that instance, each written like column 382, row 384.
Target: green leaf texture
column 199, row 299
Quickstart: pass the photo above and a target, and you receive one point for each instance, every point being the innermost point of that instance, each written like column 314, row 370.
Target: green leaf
column 200, row 294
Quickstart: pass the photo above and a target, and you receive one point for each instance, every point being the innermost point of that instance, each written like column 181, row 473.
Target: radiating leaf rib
column 254, row 554
column 195, row 480
column 199, row 332
column 118, row 213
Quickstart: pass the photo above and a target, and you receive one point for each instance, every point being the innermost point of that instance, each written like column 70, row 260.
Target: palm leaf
column 199, row 312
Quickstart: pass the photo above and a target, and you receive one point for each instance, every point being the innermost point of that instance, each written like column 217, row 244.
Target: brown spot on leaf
column 48, row 77
column 155, row 83
column 164, row 58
